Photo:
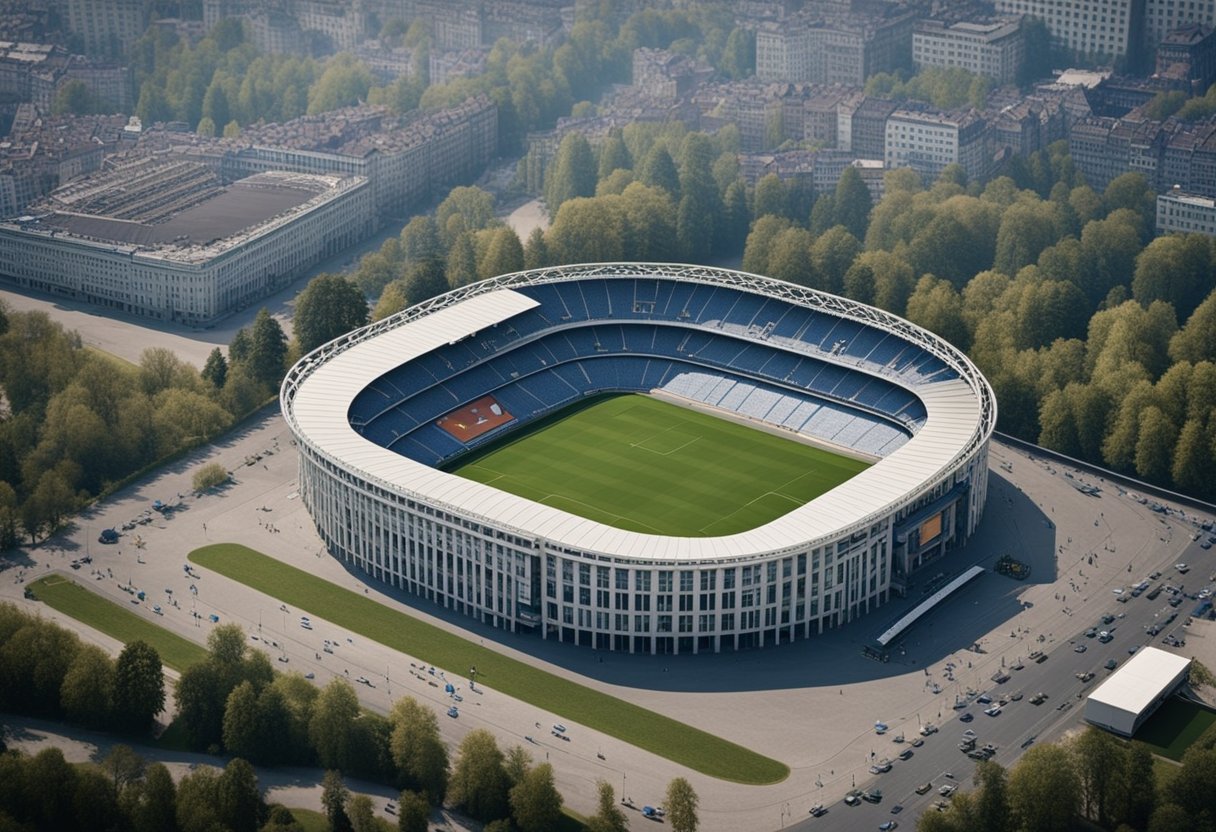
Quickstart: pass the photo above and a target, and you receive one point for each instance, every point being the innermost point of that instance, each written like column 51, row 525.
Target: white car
column 995, row 710
column 1182, row 567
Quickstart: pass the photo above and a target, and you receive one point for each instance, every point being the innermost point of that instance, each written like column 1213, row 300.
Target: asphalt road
column 1020, row 724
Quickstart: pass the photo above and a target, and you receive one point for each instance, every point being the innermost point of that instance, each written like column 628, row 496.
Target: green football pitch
column 647, row 465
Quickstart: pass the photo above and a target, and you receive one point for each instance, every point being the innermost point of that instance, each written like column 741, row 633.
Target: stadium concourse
column 382, row 413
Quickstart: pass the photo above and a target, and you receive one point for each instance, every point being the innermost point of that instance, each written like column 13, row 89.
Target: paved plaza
column 811, row 704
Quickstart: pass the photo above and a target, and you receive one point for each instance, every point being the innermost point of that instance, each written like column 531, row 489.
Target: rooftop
column 1142, row 678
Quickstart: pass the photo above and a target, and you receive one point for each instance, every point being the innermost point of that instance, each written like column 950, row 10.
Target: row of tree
column 46, row 671
column 123, row 793
column 1093, row 781
column 79, row 420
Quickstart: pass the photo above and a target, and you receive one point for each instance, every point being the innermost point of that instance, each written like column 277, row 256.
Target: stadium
column 647, row 458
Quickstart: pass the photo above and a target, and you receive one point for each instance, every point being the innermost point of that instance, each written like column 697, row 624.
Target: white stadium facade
column 367, row 411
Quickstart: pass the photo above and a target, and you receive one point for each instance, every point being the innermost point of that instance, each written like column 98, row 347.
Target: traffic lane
column 1009, row 731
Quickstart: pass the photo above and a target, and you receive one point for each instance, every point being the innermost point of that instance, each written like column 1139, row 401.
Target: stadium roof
column 1141, row 680
column 327, row 385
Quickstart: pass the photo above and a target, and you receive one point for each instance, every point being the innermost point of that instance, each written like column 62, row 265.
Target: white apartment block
column 928, row 142
column 1185, row 213
column 1088, row 27
column 995, row 49
column 1164, row 16
column 106, row 26
column 192, row 283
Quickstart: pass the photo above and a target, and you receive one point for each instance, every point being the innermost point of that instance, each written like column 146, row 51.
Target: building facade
column 1183, row 213
column 194, row 283
column 929, row 141
column 995, row 49
column 1111, row 28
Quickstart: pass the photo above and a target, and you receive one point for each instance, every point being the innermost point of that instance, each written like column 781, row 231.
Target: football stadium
column 648, row 458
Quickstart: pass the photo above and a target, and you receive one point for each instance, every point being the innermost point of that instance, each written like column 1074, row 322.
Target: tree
column 424, row 280
column 139, row 686
column 418, row 752
column 1132, row 192
column 608, row 816
column 200, row 698
column 345, row 81
column 738, row 59
column 152, row 805
column 392, row 300
column 413, row 812
column 936, row 306
column 504, row 254
column 335, row 712
column 789, row 258
column 238, row 799
column 197, row 801
column 267, row 350
column 124, row 767
column 659, row 171
column 216, row 369
column 329, row 306
column 1193, row 461
column 87, row 694
column 1043, row 790
column 362, row 814
column 832, row 254
column 572, row 172
column 241, row 730
column 681, row 804
column 613, row 156
column 1138, row 800
column 1176, row 269
column 462, row 261
column 991, row 798
column 536, row 805
column 479, row 782
column 464, row 209
column 1196, row 341
column 75, row 98
column 420, row 239
column 334, row 796
column 771, row 197
column 1099, row 763
column 1155, row 444
column 536, row 251
column 1027, row 229
column 758, row 250
column 209, row 476
column 852, row 203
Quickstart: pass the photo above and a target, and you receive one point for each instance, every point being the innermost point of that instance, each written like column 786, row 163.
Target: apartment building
column 994, row 48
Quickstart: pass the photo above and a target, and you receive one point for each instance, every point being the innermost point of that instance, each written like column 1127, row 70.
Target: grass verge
column 661, row 735
column 70, row 598
column 1174, row 727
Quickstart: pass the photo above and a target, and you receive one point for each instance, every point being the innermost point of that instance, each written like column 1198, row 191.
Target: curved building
column 378, row 413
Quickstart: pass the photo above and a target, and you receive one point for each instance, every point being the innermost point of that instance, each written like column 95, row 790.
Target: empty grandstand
column 381, row 413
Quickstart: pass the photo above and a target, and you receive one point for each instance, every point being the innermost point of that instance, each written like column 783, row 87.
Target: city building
column 862, row 125
column 167, row 239
column 41, row 152
column 1131, row 694
column 1179, row 212
column 519, row 347
column 839, row 48
column 667, row 75
column 1188, row 54
column 994, row 48
column 927, row 141
column 107, row 27
column 1097, row 28
column 1161, row 17
column 448, row 65
column 405, row 159
column 36, row 72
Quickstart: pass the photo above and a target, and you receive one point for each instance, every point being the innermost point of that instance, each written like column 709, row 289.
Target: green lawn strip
column 683, row 744
column 644, row 464
column 1174, row 727
column 309, row 819
column 70, row 598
